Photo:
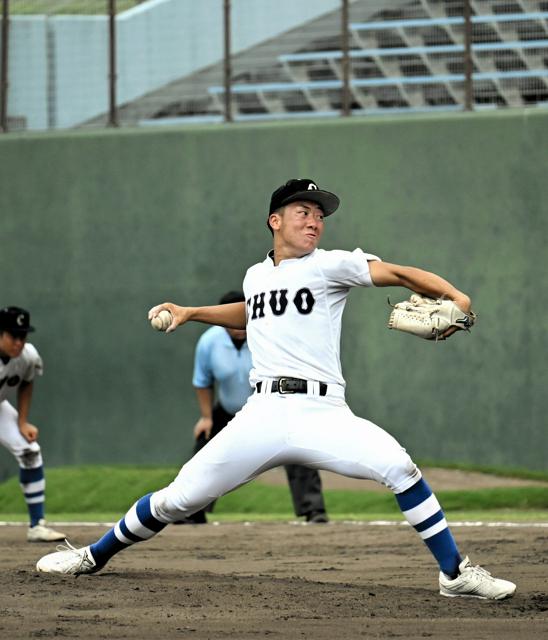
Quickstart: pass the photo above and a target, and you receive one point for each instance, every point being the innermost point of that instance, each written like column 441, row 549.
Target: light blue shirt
column 218, row 362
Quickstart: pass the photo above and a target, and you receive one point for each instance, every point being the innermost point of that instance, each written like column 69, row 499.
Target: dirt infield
column 340, row 580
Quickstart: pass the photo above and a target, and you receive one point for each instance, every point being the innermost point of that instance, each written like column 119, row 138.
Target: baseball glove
column 428, row 318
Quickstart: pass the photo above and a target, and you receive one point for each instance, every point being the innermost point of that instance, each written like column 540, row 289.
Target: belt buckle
column 282, row 388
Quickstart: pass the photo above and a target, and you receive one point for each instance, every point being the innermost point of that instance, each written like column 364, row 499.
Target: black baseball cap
column 15, row 320
column 303, row 189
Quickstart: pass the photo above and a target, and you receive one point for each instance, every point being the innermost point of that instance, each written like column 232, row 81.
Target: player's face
column 299, row 227
column 11, row 345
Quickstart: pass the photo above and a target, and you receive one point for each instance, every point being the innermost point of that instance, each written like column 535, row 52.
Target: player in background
column 222, row 364
column 19, row 364
column 293, row 311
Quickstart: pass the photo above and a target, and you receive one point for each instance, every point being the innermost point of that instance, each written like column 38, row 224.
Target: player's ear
column 274, row 219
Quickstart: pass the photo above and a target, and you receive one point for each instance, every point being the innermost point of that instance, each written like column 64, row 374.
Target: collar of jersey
column 223, row 333
column 270, row 258
column 227, row 340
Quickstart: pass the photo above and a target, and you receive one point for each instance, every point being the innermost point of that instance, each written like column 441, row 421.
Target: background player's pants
column 305, row 484
column 29, row 459
column 306, row 489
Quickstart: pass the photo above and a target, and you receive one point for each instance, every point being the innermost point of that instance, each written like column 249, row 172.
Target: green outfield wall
column 96, row 227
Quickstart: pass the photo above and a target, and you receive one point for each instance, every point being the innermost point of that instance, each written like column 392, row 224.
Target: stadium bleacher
column 405, row 60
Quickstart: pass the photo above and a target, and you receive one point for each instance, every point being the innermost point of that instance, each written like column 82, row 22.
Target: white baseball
column 162, row 321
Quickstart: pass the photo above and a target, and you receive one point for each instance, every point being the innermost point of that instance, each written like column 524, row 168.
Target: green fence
column 97, row 227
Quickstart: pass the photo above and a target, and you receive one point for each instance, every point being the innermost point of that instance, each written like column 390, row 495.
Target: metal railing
column 402, row 60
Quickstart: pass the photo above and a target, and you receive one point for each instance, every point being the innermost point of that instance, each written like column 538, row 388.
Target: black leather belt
column 291, row 385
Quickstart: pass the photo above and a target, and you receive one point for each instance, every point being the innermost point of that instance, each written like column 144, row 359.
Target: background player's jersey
column 289, row 307
column 24, row 367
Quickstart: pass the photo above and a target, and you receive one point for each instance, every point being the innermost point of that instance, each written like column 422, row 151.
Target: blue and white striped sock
column 33, row 485
column 422, row 510
column 137, row 525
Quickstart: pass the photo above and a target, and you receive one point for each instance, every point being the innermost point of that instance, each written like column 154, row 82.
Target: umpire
column 221, row 368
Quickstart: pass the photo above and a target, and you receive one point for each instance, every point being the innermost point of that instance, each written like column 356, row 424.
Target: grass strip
column 112, row 489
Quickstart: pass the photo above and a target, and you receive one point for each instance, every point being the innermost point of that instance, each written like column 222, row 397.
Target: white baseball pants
column 27, row 454
column 273, row 430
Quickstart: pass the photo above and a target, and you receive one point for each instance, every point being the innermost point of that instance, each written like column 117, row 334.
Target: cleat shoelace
column 83, row 557
column 68, row 547
column 480, row 572
column 481, row 575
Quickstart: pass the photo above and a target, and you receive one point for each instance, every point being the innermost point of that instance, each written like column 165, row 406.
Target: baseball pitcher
column 294, row 301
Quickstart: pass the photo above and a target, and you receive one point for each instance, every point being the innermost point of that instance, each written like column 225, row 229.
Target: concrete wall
column 28, row 72
column 98, row 227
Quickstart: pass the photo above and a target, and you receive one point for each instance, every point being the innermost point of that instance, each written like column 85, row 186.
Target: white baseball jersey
column 24, row 367
column 294, row 313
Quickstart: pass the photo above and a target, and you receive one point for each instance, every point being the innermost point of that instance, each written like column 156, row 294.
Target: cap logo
column 312, row 187
column 20, row 320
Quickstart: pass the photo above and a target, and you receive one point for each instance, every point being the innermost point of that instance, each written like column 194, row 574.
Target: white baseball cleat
column 42, row 533
column 68, row 561
column 475, row 582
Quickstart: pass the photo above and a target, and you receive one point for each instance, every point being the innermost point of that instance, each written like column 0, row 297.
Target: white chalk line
column 363, row 523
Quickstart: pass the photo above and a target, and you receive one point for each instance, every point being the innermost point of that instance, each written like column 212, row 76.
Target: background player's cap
column 15, row 320
column 303, row 189
column 232, row 296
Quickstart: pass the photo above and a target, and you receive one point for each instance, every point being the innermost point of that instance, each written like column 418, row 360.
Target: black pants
column 305, row 484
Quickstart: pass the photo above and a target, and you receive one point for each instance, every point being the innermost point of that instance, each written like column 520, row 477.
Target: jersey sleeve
column 347, row 268
column 34, row 365
column 202, row 376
